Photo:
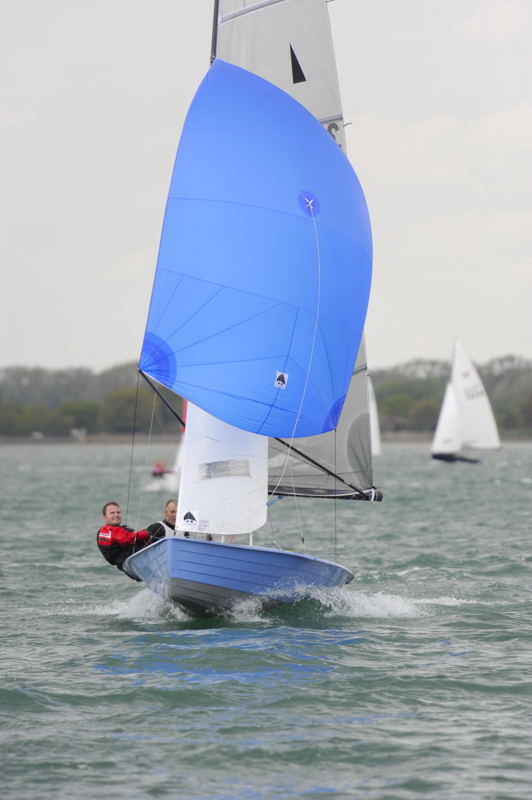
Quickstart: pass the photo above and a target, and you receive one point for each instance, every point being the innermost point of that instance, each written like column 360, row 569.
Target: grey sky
column 93, row 97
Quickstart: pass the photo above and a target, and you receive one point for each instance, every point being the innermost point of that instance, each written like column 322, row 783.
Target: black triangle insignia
column 298, row 76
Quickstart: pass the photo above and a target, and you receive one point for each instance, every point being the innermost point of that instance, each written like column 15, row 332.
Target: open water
column 413, row 682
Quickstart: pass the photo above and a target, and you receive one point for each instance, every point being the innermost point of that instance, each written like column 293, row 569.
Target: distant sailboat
column 466, row 419
column 167, row 480
column 374, row 421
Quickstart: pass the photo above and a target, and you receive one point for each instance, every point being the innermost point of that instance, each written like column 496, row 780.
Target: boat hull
column 208, row 578
column 452, row 457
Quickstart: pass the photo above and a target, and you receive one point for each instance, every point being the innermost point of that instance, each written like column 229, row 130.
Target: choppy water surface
column 414, row 682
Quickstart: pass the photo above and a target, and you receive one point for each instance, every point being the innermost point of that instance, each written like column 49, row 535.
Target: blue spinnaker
column 264, row 267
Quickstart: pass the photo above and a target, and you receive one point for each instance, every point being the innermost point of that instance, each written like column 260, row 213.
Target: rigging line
column 295, row 498
column 298, row 513
column 150, row 432
column 132, row 448
column 335, row 505
column 310, row 209
column 162, row 397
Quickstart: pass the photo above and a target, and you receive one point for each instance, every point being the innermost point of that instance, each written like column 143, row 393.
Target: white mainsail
column 479, row 429
column 466, row 417
column 289, row 43
column 448, row 434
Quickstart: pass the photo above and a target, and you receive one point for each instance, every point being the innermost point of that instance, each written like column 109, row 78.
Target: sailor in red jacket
column 116, row 541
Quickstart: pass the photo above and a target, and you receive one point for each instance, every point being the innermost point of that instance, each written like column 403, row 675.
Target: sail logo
column 333, row 128
column 472, row 392
column 190, row 519
column 298, row 76
column 281, row 379
column 309, row 203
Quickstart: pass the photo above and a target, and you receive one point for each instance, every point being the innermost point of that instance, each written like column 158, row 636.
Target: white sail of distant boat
column 167, row 480
column 258, row 308
column 374, row 420
column 466, row 418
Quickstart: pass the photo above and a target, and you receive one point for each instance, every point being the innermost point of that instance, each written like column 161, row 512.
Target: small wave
column 403, row 572
column 145, row 606
column 380, row 605
column 333, row 602
column 248, row 610
column 345, row 602
column 153, row 486
column 444, row 601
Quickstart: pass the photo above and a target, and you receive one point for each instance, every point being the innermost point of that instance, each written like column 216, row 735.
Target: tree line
column 36, row 401
column 57, row 402
column 409, row 396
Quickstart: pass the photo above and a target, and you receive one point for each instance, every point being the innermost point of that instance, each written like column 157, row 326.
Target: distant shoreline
column 96, row 438
column 387, row 437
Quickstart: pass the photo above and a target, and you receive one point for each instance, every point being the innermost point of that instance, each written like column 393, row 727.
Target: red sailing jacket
column 117, row 542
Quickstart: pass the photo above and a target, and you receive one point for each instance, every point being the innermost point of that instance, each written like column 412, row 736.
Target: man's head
column 112, row 513
column 170, row 511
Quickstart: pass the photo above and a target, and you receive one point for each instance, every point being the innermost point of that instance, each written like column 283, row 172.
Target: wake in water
column 322, row 603
column 315, row 604
column 143, row 607
column 326, row 604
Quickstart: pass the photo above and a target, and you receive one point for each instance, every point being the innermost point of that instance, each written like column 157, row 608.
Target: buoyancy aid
column 117, row 542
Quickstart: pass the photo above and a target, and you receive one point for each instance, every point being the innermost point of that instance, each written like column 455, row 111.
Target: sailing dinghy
column 257, row 311
column 466, row 419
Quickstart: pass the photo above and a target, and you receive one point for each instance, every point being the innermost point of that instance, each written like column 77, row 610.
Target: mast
column 214, row 41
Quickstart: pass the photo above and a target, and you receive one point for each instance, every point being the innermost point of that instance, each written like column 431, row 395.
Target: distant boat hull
column 209, row 578
column 452, row 457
